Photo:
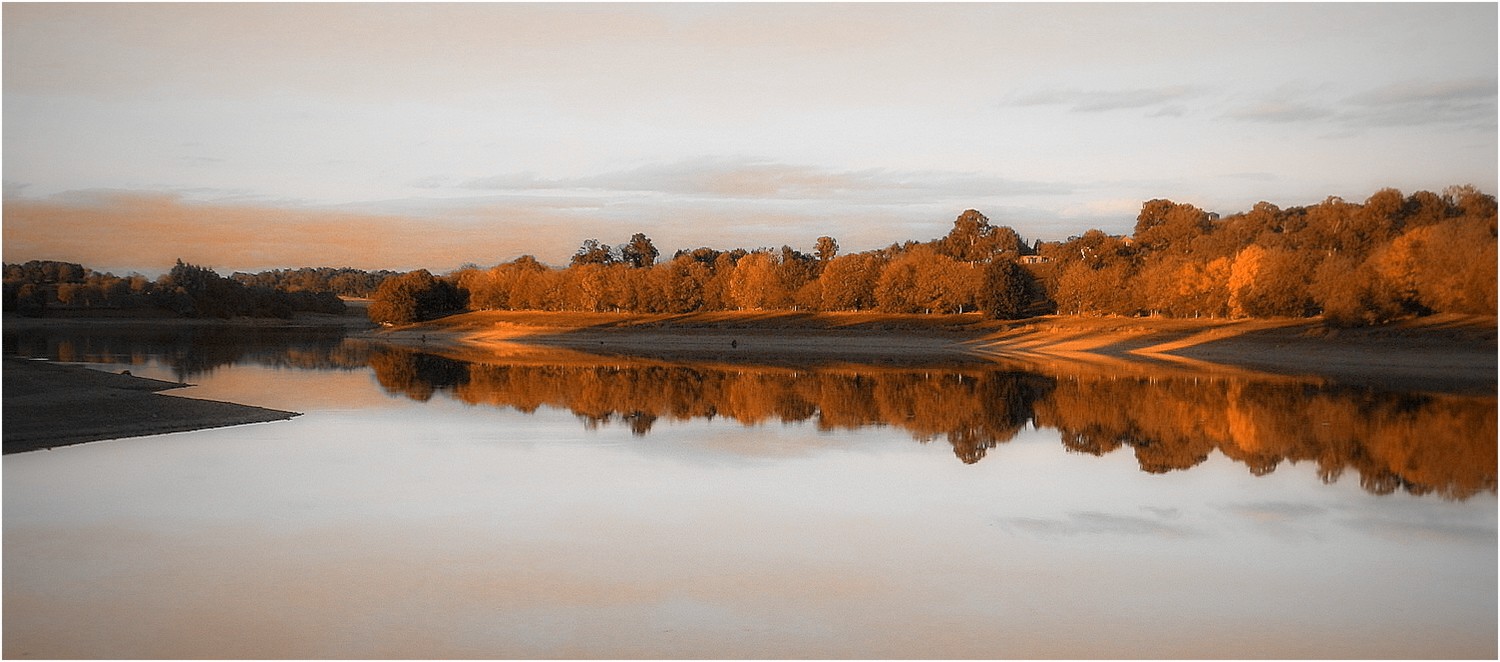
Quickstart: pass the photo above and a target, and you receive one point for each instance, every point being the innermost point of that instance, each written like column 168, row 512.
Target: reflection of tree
column 192, row 351
column 974, row 411
column 1443, row 444
column 1422, row 444
column 415, row 375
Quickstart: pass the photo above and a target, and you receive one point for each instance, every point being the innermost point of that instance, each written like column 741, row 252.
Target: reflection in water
column 191, row 351
column 1415, row 442
column 412, row 514
column 974, row 410
column 1419, row 443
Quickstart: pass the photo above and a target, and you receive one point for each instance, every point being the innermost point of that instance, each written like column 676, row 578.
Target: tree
column 921, row 280
column 848, row 281
column 1449, row 267
column 681, row 283
column 1353, row 293
column 1006, row 290
column 971, row 239
column 414, row 297
column 1166, row 225
column 827, row 248
column 755, row 284
column 795, row 270
column 639, row 252
column 594, row 252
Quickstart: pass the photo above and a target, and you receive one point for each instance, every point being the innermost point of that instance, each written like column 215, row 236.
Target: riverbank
column 47, row 405
column 1446, row 353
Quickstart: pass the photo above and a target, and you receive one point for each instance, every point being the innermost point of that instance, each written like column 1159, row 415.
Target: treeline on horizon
column 1394, row 256
column 1391, row 257
column 187, row 290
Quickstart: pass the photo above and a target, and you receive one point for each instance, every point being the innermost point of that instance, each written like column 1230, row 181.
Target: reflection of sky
column 396, row 528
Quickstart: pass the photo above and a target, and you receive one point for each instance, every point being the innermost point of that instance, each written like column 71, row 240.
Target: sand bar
column 47, row 405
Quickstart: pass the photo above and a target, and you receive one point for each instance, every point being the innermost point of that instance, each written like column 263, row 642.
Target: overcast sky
column 256, row 136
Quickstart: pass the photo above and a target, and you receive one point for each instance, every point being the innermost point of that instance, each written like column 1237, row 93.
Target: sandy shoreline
column 47, row 405
column 1441, row 353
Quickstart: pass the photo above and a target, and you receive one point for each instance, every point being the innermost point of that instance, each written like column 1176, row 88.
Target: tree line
column 1392, row 256
column 187, row 290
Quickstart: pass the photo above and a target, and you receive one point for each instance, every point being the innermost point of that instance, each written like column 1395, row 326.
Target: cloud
column 1429, row 92
column 1279, row 112
column 743, row 177
column 1252, row 176
column 1465, row 102
column 1095, row 101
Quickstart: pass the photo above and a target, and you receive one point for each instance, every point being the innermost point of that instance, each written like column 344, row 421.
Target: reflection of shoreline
column 1440, row 353
column 1419, row 443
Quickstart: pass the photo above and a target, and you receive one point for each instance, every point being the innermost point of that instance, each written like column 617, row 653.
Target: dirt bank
column 1448, row 353
column 47, row 405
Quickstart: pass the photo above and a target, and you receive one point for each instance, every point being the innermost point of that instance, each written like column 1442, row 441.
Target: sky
column 400, row 136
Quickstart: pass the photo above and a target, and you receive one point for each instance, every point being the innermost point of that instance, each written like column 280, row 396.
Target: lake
column 555, row 504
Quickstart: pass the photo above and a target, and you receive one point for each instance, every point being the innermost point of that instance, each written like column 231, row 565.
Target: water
column 553, row 504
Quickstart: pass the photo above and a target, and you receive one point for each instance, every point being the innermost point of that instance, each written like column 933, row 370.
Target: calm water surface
column 560, row 505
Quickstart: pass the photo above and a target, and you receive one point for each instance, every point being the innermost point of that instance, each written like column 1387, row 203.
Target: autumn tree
column 921, row 280
column 848, row 281
column 1271, row 282
column 1164, row 225
column 682, row 282
column 755, row 284
column 797, row 276
column 971, row 240
column 1352, row 292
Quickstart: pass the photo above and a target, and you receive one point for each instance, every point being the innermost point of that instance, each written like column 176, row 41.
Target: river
column 558, row 505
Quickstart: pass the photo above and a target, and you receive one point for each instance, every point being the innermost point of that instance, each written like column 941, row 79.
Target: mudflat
column 47, row 405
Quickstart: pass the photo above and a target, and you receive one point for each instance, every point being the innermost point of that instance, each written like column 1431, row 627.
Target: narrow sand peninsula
column 1444, row 353
column 48, row 405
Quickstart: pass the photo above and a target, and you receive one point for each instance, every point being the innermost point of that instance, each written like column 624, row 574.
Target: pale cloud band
column 1468, row 103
